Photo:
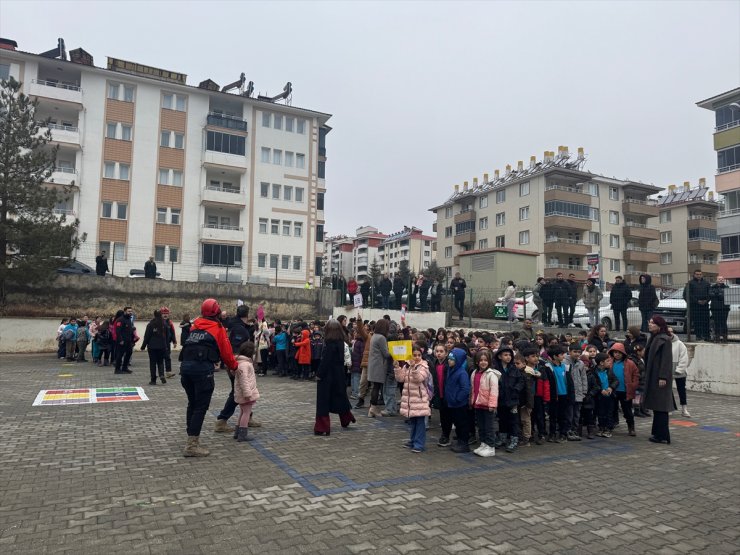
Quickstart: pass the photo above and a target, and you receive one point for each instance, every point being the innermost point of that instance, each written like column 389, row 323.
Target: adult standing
column 342, row 287
column 720, row 308
column 124, row 332
column 561, row 294
column 458, row 285
column 659, row 379
column 696, row 295
column 572, row 297
column 619, row 298
column 331, row 389
column 101, row 264
column 435, row 296
column 510, row 301
column 206, row 345
column 648, row 300
column 171, row 341
column 378, row 362
column 592, row 296
column 352, row 289
column 150, row 268
column 398, row 287
column 680, row 369
column 156, row 338
column 424, row 287
column 385, row 290
column 547, row 292
column 365, row 292
column 537, row 298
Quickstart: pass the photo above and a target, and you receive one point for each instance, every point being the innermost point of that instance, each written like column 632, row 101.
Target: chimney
column 686, row 186
column 581, row 155
column 485, row 178
column 508, row 170
column 475, row 182
column 702, row 182
column 457, row 188
column 465, row 185
column 672, row 188
column 80, row 56
column 496, row 175
column 532, row 161
column 711, row 195
column 549, row 155
column 520, row 165
column 566, row 153
column 8, row 44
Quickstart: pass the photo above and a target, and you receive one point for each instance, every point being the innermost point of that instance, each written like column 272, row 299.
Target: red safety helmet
column 210, row 307
column 164, row 311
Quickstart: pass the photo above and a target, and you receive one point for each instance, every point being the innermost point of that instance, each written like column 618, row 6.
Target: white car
column 606, row 314
column 673, row 309
column 521, row 305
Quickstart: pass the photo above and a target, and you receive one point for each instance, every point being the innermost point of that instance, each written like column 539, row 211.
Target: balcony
column 635, row 207
column 567, row 194
column 567, row 246
column 465, row 216
column 64, row 176
column 641, row 254
column 633, row 279
column 228, row 233
column 707, row 267
column 633, row 230
column 218, row 194
column 467, row 237
column 697, row 221
column 703, row 245
column 552, row 270
column 57, row 91
column 67, row 135
column 214, row 159
column 564, row 220
column 227, row 122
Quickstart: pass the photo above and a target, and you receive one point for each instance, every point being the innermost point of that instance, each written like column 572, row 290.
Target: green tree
column 375, row 272
column 404, row 272
column 34, row 241
column 433, row 271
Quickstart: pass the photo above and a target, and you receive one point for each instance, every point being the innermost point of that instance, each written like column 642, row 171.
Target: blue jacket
column 457, row 383
column 281, row 341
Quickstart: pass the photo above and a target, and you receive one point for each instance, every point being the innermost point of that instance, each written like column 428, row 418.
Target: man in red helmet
column 204, row 347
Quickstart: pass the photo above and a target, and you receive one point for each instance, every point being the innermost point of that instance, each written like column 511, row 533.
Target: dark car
column 77, row 268
column 136, row 273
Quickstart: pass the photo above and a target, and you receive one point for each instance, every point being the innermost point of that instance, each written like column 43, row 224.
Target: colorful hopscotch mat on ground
column 86, row 396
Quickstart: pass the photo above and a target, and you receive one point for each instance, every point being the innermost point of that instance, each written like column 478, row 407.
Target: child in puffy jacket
column 415, row 397
column 484, row 401
column 245, row 388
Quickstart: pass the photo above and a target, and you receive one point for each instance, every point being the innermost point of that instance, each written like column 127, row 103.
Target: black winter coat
column 510, row 387
column 561, row 291
column 385, row 286
column 572, row 290
column 659, row 366
column 717, row 298
column 331, row 389
column 620, row 296
column 696, row 290
column 648, row 297
column 547, row 293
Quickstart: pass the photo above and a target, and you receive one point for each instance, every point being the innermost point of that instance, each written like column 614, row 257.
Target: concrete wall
column 92, row 296
column 28, row 335
column 418, row 320
column 713, row 368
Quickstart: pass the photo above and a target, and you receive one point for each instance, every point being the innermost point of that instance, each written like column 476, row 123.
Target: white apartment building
column 408, row 244
column 338, row 256
column 558, row 210
column 214, row 183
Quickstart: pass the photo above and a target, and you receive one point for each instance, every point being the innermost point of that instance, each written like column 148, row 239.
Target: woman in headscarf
column 659, row 378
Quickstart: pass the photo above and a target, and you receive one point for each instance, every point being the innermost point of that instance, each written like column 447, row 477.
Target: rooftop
column 720, row 100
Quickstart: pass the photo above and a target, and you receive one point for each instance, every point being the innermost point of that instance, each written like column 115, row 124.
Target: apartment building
column 726, row 108
column 408, row 244
column 687, row 221
column 365, row 248
column 338, row 256
column 215, row 183
column 558, row 210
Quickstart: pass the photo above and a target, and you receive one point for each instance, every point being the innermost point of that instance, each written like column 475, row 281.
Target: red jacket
column 303, row 346
column 218, row 332
column 352, row 288
column 542, row 387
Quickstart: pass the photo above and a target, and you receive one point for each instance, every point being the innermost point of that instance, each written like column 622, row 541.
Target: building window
column 500, row 241
column 221, row 255
column 4, row 72
column 266, row 119
column 162, row 217
column 274, row 227
column 277, row 157
column 173, row 102
column 448, row 231
column 667, row 279
column 300, row 160
column 275, row 191
column 448, row 212
column 301, row 126
column 286, row 227
column 500, row 219
column 171, row 139
column 289, row 157
column 175, row 216
column 273, row 261
column 665, row 216
column 593, row 238
column 483, row 223
column 448, row 252
column 319, row 198
column 109, row 170
column 728, row 159
column 125, row 132
column 524, row 237
column 614, row 265
column 320, row 233
column 159, row 253
column 226, row 143
column 500, row 196
column 265, row 156
column 297, row 229
column 482, row 244
column 114, row 92
column 289, row 123
column 483, row 201
column 123, row 172
column 593, row 214
column 174, row 254
column 666, row 258
column 119, row 251
column 614, row 241
column 613, row 217
column 297, row 263
column 285, row 262
column 116, row 170
column 524, row 189
column 666, row 237
column 107, row 210
column 524, row 213
column 122, row 211
column 264, row 189
column 128, row 93
column 261, row 260
column 110, row 130
column 263, row 225
column 288, row 192
column 613, row 193
column 277, row 121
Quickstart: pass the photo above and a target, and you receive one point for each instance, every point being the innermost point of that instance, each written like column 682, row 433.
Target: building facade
column 556, row 209
column 687, row 221
column 338, row 256
column 213, row 183
column 726, row 108
column 408, row 244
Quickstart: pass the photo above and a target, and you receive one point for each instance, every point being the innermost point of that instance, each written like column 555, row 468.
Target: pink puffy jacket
column 415, row 397
column 245, row 382
column 488, row 392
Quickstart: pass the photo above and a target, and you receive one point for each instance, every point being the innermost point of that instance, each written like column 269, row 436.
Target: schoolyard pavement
column 110, row 477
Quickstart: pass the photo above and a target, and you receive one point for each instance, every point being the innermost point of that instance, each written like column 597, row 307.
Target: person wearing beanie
column 659, row 378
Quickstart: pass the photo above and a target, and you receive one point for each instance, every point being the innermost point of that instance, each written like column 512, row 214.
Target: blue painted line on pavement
column 714, row 429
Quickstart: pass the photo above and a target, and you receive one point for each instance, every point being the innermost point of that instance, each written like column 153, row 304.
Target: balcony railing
column 707, row 239
column 564, row 267
column 728, row 168
column 693, row 260
column 71, row 128
column 647, row 202
column 64, row 170
column 64, row 211
column 730, row 256
column 568, row 215
column 700, row 217
column 221, row 188
column 726, row 126
column 639, row 249
column 639, row 225
column 227, row 227
column 580, row 190
column 229, row 122
column 569, row 241
column 726, row 213
column 57, row 85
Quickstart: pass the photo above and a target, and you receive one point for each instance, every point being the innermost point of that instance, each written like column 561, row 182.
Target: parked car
column 673, row 309
column 75, row 267
column 139, row 274
column 521, row 305
column 606, row 314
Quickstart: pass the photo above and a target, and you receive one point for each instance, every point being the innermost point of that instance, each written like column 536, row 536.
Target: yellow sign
column 400, row 350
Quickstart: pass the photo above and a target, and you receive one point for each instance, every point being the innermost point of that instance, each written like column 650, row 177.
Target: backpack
column 68, row 334
column 238, row 334
column 429, row 382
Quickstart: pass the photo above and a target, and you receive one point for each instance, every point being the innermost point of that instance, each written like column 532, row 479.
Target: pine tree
column 375, row 272
column 34, row 241
column 433, row 271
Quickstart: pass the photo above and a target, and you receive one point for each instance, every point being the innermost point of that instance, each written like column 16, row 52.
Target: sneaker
column 551, row 439
column 460, row 447
column 685, row 411
column 386, row 413
column 525, row 443
column 488, row 451
column 444, row 441
column 562, row 439
column 607, row 433
column 572, row 436
column 360, row 403
column 408, row 444
column 162, row 379
column 153, row 382
column 415, row 450
column 479, row 450
column 169, row 375
column 353, row 396
column 538, row 440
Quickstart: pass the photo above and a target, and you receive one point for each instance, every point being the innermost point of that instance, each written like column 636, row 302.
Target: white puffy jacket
column 680, row 357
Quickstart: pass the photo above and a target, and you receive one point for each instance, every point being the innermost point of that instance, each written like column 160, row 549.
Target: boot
column 194, row 449
column 646, row 412
column 373, row 412
column 685, row 411
column 631, row 429
column 501, row 440
column 512, row 444
column 253, row 422
column 222, row 427
column 572, row 436
column 360, row 403
column 590, row 432
column 460, row 447
column 241, row 434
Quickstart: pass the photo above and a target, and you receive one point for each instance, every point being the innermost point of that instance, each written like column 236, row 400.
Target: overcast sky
column 428, row 94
